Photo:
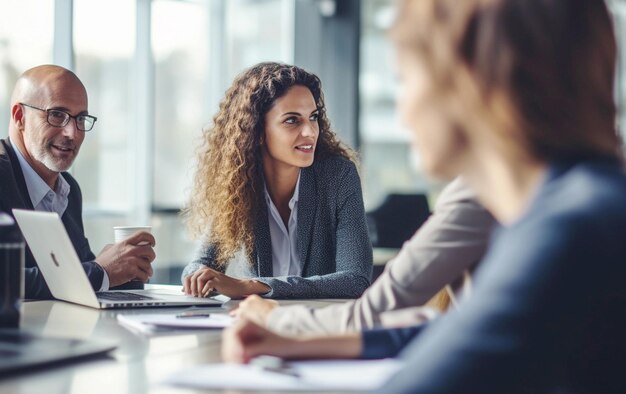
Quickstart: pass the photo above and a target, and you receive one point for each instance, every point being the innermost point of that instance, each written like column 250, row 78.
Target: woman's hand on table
column 255, row 309
column 246, row 340
column 207, row 280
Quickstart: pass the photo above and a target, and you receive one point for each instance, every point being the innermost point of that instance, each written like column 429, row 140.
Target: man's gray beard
column 45, row 157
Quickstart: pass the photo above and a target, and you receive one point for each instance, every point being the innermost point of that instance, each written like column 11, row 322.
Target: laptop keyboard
column 121, row 296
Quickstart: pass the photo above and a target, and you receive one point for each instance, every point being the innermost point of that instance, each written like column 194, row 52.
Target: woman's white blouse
column 285, row 260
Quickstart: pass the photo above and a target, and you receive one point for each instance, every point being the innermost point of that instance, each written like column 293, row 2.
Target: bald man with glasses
column 49, row 119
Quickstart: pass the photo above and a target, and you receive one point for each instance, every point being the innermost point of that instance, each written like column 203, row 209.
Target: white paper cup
column 120, row 233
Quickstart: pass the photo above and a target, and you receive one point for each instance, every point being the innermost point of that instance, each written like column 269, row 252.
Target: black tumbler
column 11, row 271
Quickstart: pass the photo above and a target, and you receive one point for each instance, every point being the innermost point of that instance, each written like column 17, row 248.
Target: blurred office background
column 155, row 71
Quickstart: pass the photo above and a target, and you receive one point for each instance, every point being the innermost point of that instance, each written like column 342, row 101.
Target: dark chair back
column 397, row 219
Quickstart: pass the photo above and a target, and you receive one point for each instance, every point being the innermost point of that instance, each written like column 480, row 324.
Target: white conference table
column 138, row 364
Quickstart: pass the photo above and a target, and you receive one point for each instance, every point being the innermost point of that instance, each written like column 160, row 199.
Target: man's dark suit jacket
column 14, row 194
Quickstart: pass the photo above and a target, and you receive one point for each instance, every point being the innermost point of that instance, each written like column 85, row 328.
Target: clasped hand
column 129, row 259
column 205, row 280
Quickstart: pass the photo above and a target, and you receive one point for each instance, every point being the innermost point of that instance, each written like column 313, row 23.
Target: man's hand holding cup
column 130, row 257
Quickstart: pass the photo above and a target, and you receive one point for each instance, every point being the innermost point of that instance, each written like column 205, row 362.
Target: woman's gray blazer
column 333, row 242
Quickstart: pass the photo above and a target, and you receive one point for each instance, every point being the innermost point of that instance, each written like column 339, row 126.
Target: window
column 256, row 40
column 103, row 62
column 385, row 150
column 182, row 61
column 26, row 37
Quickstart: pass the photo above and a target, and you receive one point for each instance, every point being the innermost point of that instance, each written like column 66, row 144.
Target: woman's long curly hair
column 228, row 184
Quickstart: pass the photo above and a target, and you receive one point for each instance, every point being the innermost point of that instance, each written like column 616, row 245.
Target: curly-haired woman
column 277, row 198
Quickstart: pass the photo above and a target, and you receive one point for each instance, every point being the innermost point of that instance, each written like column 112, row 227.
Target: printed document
column 331, row 375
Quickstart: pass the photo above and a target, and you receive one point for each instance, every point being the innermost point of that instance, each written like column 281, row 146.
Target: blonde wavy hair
column 541, row 71
column 228, row 185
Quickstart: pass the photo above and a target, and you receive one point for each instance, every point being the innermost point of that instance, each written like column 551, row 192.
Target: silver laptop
column 55, row 255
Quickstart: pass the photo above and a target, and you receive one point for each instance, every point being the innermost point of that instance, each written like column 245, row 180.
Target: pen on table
column 191, row 315
column 274, row 364
column 282, row 371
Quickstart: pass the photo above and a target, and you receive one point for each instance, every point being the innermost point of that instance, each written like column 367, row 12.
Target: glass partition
column 104, row 64
column 26, row 40
column 388, row 163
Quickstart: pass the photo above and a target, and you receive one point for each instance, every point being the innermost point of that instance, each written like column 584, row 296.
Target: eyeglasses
column 58, row 118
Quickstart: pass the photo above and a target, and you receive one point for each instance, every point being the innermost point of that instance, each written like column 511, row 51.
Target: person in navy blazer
column 277, row 198
column 517, row 97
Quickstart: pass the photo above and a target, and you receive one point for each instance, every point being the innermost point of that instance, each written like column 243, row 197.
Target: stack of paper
column 149, row 323
column 357, row 375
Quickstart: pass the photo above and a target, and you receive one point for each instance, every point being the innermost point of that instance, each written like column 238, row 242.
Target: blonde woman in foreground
column 517, row 97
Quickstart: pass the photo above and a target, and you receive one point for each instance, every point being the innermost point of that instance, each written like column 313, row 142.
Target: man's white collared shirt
column 41, row 195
